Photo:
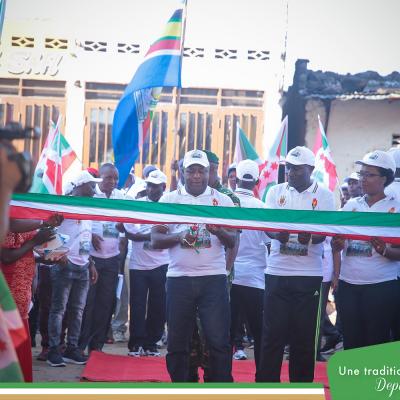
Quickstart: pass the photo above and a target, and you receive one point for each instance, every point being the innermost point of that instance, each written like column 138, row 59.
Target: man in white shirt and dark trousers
column 70, row 279
column 196, row 277
column 105, row 253
column 147, row 276
column 293, row 276
column 247, row 292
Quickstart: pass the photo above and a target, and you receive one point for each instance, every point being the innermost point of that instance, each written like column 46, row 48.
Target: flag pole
column 178, row 92
column 58, row 151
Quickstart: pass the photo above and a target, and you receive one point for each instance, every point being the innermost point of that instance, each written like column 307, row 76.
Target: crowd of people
column 201, row 286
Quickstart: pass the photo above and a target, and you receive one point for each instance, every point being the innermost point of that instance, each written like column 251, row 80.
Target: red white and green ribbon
column 354, row 225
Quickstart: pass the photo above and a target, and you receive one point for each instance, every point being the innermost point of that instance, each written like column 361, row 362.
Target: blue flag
column 160, row 68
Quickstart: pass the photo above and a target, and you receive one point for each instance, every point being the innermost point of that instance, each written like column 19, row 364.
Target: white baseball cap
column 157, row 177
column 195, row 157
column 301, row 155
column 378, row 158
column 353, row 175
column 395, row 153
column 79, row 179
column 247, row 167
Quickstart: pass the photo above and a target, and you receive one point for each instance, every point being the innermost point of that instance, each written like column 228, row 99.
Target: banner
column 353, row 225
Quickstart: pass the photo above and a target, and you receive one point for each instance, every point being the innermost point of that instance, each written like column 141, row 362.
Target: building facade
column 76, row 60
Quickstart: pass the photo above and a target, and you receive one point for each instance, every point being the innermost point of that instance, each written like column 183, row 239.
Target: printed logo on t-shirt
column 148, row 246
column 293, row 247
column 84, row 243
column 359, row 248
column 391, row 210
column 202, row 237
column 109, row 230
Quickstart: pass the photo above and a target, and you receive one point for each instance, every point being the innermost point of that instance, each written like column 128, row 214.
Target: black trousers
column 291, row 305
column 248, row 302
column 100, row 304
column 366, row 312
column 147, row 307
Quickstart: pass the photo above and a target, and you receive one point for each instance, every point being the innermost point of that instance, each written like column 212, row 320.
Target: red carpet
column 103, row 367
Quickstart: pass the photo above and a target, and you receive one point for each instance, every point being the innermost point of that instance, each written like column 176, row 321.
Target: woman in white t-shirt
column 368, row 289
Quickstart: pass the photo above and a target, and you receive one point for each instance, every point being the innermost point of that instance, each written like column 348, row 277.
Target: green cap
column 212, row 157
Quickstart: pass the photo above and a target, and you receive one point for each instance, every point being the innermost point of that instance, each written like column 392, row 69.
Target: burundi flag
column 325, row 168
column 243, row 148
column 160, row 68
column 12, row 334
column 277, row 152
column 56, row 157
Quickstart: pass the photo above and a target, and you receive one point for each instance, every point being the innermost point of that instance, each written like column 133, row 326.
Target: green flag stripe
column 6, row 300
column 264, row 215
column 11, row 373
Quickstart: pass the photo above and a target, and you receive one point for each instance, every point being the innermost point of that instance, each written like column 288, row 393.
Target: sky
column 344, row 35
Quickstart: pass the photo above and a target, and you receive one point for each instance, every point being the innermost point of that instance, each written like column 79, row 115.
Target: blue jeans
column 208, row 295
column 70, row 286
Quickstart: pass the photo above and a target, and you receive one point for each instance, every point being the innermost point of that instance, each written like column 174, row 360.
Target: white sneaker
column 137, row 351
column 239, row 355
column 152, row 353
column 119, row 337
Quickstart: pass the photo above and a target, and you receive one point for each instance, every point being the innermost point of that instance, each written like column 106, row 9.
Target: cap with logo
column 378, row 158
column 79, row 179
column 395, row 153
column 195, row 157
column 301, row 155
column 157, row 177
column 353, row 176
column 247, row 170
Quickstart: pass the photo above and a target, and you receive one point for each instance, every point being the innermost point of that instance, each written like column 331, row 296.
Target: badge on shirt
column 293, row 248
column 282, row 201
column 392, row 210
column 359, row 248
column 109, row 230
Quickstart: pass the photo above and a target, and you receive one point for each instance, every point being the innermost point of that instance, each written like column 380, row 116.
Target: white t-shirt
column 80, row 237
column 209, row 259
column 106, row 230
column 393, row 190
column 143, row 256
column 361, row 264
column 293, row 258
column 250, row 261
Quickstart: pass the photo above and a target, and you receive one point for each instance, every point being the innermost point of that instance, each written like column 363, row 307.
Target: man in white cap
column 196, row 277
column 147, row 275
column 293, row 276
column 394, row 188
column 105, row 251
column 353, row 184
column 70, row 279
column 247, row 292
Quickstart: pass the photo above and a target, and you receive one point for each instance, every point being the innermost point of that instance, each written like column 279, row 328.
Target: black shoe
column 330, row 344
column 74, row 355
column 55, row 359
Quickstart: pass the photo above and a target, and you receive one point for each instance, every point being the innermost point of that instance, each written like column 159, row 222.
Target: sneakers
column 152, row 352
column 320, row 358
column 137, row 351
column 119, row 337
column 54, row 358
column 74, row 355
column 239, row 355
column 43, row 354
